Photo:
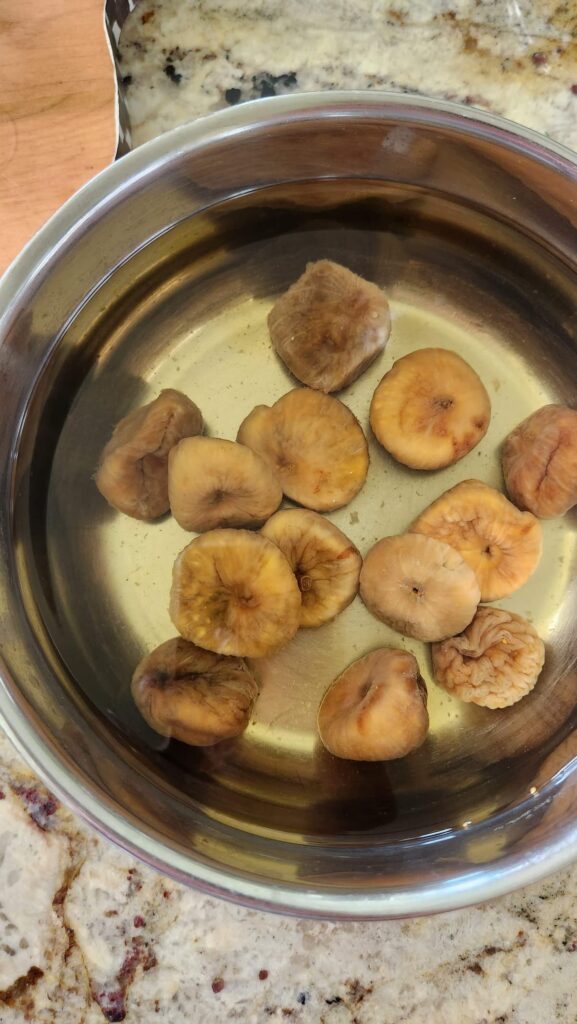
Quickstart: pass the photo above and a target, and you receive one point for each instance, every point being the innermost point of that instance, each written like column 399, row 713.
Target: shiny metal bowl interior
column 160, row 273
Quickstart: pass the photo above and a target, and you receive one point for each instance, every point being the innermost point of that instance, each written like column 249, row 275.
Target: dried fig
column 193, row 695
column 315, row 446
column 494, row 663
column 377, row 709
column 540, row 462
column 324, row 561
column 329, row 326
column 214, row 483
column 233, row 592
column 419, row 586
column 502, row 545
column 430, row 409
column 133, row 470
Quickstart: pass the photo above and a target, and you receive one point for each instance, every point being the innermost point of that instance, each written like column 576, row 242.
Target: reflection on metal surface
column 473, row 260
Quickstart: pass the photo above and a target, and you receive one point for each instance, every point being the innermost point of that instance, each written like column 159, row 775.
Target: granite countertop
column 86, row 932
column 517, row 58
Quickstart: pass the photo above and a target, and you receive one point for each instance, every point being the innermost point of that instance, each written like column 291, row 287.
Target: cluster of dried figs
column 255, row 574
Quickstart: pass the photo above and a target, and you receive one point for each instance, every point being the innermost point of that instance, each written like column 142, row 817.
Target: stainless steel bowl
column 160, row 272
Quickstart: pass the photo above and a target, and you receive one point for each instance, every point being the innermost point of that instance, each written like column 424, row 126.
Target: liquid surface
column 199, row 325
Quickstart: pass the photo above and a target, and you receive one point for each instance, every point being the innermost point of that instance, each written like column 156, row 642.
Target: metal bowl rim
column 490, row 881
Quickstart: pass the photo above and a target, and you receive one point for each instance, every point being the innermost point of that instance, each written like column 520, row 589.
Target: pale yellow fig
column 234, row 592
column 315, row 446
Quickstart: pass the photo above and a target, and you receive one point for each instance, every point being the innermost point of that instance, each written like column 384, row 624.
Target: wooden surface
column 57, row 110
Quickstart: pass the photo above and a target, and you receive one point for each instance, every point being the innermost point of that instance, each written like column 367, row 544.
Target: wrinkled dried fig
column 494, row 663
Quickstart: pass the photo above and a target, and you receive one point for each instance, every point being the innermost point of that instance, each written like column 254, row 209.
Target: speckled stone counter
column 515, row 57
column 86, row 932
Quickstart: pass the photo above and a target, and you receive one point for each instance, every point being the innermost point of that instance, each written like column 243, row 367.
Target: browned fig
column 133, row 470
column 329, row 326
column 540, row 462
column 193, row 695
column 377, row 709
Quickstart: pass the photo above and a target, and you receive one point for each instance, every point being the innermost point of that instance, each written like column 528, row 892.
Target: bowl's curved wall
column 476, row 219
